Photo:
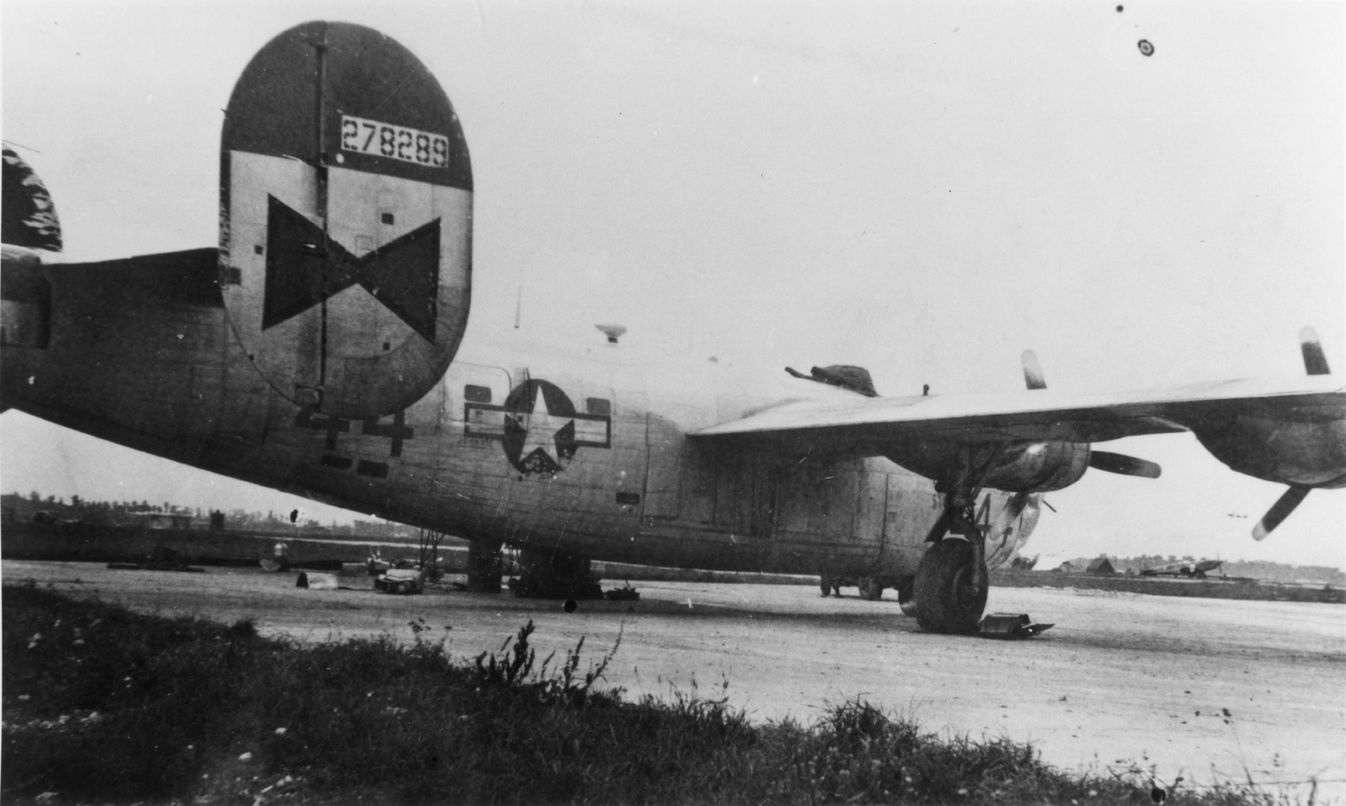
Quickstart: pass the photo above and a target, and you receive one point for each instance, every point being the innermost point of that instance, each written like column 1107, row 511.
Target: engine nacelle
column 1020, row 467
column 1305, row 449
column 1038, row 467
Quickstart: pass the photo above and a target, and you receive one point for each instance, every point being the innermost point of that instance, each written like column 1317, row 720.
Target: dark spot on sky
column 1146, row 49
column 1119, row 9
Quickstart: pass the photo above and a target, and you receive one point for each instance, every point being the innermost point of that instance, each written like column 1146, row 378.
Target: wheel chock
column 1010, row 625
column 400, row 581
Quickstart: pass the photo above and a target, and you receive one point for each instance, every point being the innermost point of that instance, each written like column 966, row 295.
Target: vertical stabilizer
column 345, row 220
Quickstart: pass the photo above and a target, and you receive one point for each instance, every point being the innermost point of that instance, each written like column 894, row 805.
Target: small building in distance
column 1053, row 562
column 1102, row 566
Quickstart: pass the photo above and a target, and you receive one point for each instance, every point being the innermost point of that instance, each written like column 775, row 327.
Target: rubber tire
column 940, row 606
column 871, row 589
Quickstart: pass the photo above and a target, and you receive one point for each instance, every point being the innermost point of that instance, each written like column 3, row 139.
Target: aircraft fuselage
column 584, row 452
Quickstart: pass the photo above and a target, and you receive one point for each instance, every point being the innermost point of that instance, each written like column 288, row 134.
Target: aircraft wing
column 1290, row 431
column 1040, row 414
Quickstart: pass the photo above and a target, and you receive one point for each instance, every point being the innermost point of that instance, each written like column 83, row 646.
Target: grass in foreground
column 103, row 705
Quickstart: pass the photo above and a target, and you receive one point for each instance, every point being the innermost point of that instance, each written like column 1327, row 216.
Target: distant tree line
column 53, row 509
column 99, row 513
column 1256, row 569
column 124, row 513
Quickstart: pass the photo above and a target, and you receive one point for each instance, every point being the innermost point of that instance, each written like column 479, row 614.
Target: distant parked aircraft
column 1193, row 570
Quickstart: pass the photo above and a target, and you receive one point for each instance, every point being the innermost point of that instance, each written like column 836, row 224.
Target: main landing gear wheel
column 948, row 600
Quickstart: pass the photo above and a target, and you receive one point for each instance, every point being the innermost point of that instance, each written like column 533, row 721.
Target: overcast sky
column 924, row 189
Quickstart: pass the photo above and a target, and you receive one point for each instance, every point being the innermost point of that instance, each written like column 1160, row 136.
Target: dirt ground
column 1209, row 689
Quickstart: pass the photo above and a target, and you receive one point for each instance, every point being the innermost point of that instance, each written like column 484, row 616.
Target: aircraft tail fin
column 30, row 220
column 345, row 220
column 29, row 228
column 343, row 265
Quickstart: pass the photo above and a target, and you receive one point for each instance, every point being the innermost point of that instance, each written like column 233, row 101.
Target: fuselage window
column 599, row 405
column 477, row 394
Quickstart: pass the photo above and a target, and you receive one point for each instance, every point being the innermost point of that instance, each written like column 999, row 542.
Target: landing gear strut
column 871, row 588
column 951, row 581
column 483, row 566
column 830, row 585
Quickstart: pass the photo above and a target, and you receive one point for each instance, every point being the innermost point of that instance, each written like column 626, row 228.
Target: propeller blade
column 1123, row 464
column 1007, row 516
column 1315, row 361
column 1279, row 511
column 1001, row 539
column 1033, row 371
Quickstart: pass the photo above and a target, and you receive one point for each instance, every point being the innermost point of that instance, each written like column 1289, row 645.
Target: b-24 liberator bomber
column 319, row 348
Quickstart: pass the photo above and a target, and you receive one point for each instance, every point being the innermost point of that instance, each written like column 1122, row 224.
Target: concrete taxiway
column 1212, row 690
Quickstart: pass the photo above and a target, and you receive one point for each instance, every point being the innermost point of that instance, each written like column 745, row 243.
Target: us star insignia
column 539, row 427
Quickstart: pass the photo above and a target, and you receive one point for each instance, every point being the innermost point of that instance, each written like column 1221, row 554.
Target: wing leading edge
column 1038, row 415
column 1290, row 431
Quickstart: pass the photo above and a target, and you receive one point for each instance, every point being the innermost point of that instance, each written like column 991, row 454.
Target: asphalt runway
column 1213, row 690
